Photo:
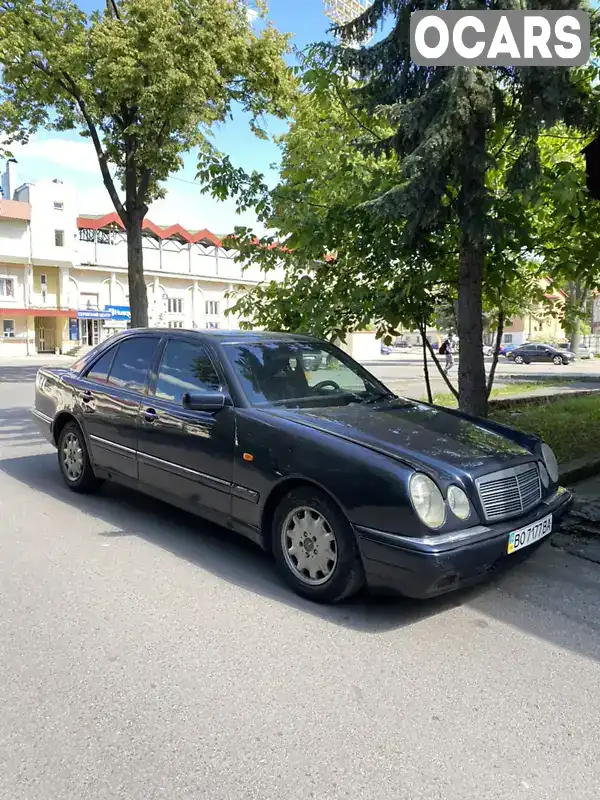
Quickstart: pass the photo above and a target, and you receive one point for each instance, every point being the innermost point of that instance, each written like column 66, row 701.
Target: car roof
column 223, row 336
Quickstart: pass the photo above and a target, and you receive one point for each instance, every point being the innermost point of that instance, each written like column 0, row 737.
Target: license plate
column 532, row 533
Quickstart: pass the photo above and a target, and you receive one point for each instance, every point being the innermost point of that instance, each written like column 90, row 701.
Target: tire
column 74, row 461
column 558, row 360
column 519, row 360
column 342, row 575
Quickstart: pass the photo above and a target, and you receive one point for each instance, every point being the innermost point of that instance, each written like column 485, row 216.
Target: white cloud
column 76, row 153
column 73, row 160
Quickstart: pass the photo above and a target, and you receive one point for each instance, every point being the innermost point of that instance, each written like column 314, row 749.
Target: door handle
column 87, row 397
column 149, row 415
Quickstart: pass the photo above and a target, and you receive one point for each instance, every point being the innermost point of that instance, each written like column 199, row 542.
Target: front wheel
column 74, row 460
column 558, row 361
column 315, row 547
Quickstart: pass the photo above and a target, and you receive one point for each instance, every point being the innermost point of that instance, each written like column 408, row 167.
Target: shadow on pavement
column 17, row 428
column 25, row 374
column 213, row 548
column 552, row 596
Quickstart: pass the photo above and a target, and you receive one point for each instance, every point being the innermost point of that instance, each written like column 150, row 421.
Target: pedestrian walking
column 447, row 349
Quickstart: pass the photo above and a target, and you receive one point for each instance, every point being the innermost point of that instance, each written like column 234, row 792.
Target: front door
column 90, row 332
column 184, row 453
column 109, row 400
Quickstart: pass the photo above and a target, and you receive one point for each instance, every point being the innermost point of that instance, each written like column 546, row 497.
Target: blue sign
column 122, row 313
column 73, row 330
column 89, row 314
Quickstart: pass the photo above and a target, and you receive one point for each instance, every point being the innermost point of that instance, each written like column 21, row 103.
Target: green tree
column 145, row 80
column 346, row 264
column 446, row 124
column 568, row 226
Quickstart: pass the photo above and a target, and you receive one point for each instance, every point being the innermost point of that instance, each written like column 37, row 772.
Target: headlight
column 544, row 475
column 550, row 462
column 459, row 502
column 427, row 500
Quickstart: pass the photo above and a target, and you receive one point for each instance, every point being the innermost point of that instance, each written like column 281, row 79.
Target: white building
column 63, row 275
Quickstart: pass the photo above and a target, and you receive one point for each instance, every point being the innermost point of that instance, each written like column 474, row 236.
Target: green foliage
column 145, row 79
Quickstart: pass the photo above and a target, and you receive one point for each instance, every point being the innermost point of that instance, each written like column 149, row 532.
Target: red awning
column 38, row 312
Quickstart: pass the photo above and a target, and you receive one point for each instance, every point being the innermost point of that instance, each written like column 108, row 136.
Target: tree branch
column 499, row 333
column 423, row 332
column 70, row 87
column 355, row 118
column 440, row 368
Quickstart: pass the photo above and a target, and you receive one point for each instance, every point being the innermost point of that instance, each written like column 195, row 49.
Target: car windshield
column 301, row 374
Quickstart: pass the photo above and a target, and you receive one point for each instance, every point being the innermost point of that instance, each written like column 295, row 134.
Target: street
column 403, row 372
column 147, row 654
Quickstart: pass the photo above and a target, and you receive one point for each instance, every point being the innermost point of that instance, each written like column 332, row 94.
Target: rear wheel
column 315, row 547
column 74, row 460
column 519, row 360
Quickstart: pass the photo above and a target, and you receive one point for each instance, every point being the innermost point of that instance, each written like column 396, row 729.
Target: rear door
column 188, row 454
column 110, row 397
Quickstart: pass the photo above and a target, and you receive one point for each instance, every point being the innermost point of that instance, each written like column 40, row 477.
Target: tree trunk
column 138, row 297
column 472, row 389
column 472, row 215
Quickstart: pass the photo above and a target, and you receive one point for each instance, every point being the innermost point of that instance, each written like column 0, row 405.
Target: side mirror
column 211, row 401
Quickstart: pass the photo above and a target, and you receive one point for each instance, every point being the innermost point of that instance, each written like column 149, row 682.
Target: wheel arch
column 59, row 423
column 278, row 492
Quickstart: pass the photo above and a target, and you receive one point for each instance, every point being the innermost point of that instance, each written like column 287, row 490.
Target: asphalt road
column 145, row 654
column 403, row 372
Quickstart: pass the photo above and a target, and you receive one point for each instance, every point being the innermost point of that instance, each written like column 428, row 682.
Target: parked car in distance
column 505, row 349
column 546, row 353
column 386, row 350
column 345, row 483
column 402, row 344
column 582, row 350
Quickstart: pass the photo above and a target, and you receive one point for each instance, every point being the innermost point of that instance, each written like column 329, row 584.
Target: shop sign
column 120, row 313
column 89, row 314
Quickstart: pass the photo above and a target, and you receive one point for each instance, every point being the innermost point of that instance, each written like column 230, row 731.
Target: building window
column 508, row 338
column 212, row 308
column 59, row 238
column 58, row 206
column 175, row 324
column 7, row 287
column 88, row 301
column 175, row 305
column 213, row 325
column 8, row 326
column 44, row 285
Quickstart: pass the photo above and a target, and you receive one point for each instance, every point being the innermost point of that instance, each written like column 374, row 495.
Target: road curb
column 539, row 399
column 579, row 469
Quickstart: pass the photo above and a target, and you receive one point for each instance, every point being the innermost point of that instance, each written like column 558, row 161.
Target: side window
column 132, row 362
column 185, row 367
column 99, row 371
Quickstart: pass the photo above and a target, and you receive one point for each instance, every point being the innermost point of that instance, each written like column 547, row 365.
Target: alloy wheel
column 72, row 457
column 309, row 546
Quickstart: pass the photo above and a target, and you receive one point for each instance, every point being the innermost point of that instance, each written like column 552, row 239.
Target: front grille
column 509, row 492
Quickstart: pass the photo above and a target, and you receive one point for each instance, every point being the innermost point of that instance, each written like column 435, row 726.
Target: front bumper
column 423, row 568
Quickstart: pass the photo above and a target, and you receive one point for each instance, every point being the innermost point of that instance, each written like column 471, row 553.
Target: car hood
column 415, row 433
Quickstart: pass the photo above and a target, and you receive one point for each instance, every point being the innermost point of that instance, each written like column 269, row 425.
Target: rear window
column 132, row 363
column 99, row 371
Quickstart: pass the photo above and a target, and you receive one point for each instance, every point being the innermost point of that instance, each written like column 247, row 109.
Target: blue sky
column 71, row 158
